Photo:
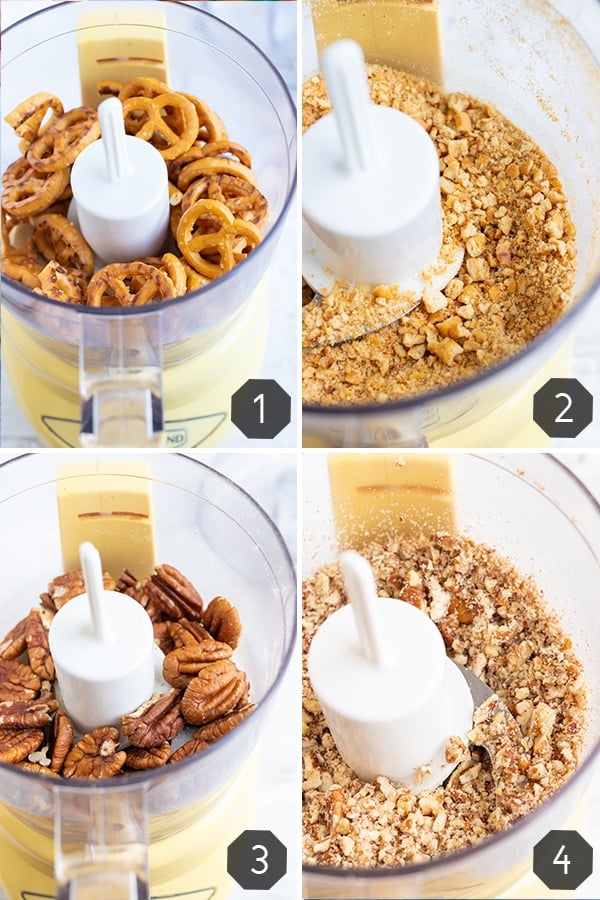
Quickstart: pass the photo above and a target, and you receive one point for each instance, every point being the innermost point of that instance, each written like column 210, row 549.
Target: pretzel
column 229, row 239
column 243, row 199
column 56, row 238
column 26, row 192
column 64, row 140
column 60, row 283
column 142, row 87
column 194, row 280
column 23, row 268
column 227, row 149
column 26, row 119
column 169, row 122
column 211, row 128
column 172, row 266
column 214, row 165
column 113, row 285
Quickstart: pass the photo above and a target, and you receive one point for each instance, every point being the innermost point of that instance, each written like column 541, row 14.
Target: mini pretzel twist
column 56, row 238
column 209, row 230
column 60, row 283
column 173, row 267
column 64, row 140
column 211, row 128
column 243, row 199
column 129, row 284
column 214, row 165
column 26, row 119
column 169, row 122
column 26, row 192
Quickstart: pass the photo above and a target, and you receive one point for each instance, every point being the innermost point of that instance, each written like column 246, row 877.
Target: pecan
column 14, row 643
column 26, row 713
column 148, row 757
column 158, row 719
column 187, row 632
column 213, row 692
column 17, row 745
column 183, row 663
column 62, row 739
column 96, row 755
column 194, row 745
column 173, row 593
column 64, row 587
column 215, row 730
column 223, row 621
column 162, row 636
column 336, row 804
column 17, row 681
column 128, row 584
column 36, row 636
column 35, row 767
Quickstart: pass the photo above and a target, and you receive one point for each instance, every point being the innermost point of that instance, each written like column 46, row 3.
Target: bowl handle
column 100, row 842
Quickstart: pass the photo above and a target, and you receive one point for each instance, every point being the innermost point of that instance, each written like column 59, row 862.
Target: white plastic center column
column 102, row 643
column 391, row 697
column 370, row 184
column 121, row 191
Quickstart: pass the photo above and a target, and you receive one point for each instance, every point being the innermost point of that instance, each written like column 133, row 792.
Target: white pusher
column 391, row 697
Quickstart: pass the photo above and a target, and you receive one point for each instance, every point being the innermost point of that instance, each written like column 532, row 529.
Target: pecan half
column 17, row 745
column 194, row 745
column 62, row 739
column 148, row 757
column 184, row 663
column 26, row 713
column 213, row 692
column 96, row 755
column 173, row 593
column 14, row 643
column 215, row 730
column 17, row 681
column 128, row 584
column 36, row 636
column 35, row 767
column 64, row 587
column 223, row 621
column 158, row 719
column 162, row 636
column 186, row 632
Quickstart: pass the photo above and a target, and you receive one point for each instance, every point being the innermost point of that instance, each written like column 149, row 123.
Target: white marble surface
column 272, row 26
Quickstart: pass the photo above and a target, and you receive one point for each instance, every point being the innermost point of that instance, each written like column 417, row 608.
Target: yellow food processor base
column 197, row 392
column 191, row 863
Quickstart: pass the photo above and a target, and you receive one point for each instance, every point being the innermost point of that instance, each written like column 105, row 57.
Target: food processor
column 529, row 62
column 161, row 374
column 163, row 831
column 532, row 510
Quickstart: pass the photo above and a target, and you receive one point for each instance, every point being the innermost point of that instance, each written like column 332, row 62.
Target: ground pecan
column 184, row 663
column 223, row 621
column 17, row 745
column 14, row 643
column 158, row 719
column 148, row 757
column 96, row 755
column 17, row 681
column 187, row 632
column 173, row 593
column 62, row 739
column 213, row 692
column 194, row 745
column 215, row 730
column 26, row 713
column 36, row 636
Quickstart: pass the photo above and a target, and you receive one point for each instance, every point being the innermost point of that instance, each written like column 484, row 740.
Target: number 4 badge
column 563, row 860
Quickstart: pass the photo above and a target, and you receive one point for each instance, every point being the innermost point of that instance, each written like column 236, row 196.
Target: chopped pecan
column 14, row 643
column 64, row 587
column 17, row 745
column 184, row 663
column 336, row 804
column 35, row 767
column 223, row 621
column 148, row 757
column 187, row 632
column 62, row 739
column 173, row 593
column 215, row 730
column 213, row 692
column 96, row 755
column 36, row 636
column 26, row 713
column 17, row 681
column 194, row 745
column 158, row 719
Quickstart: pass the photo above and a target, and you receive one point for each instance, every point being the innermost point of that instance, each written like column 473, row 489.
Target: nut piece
column 223, row 621
column 213, row 692
column 184, row 663
column 35, row 767
column 17, row 745
column 173, row 593
column 215, row 730
column 64, row 587
column 14, row 643
column 158, row 719
column 62, row 740
column 148, row 757
column 187, row 632
column 194, row 745
column 96, row 755
column 26, row 713
column 17, row 681
column 36, row 636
